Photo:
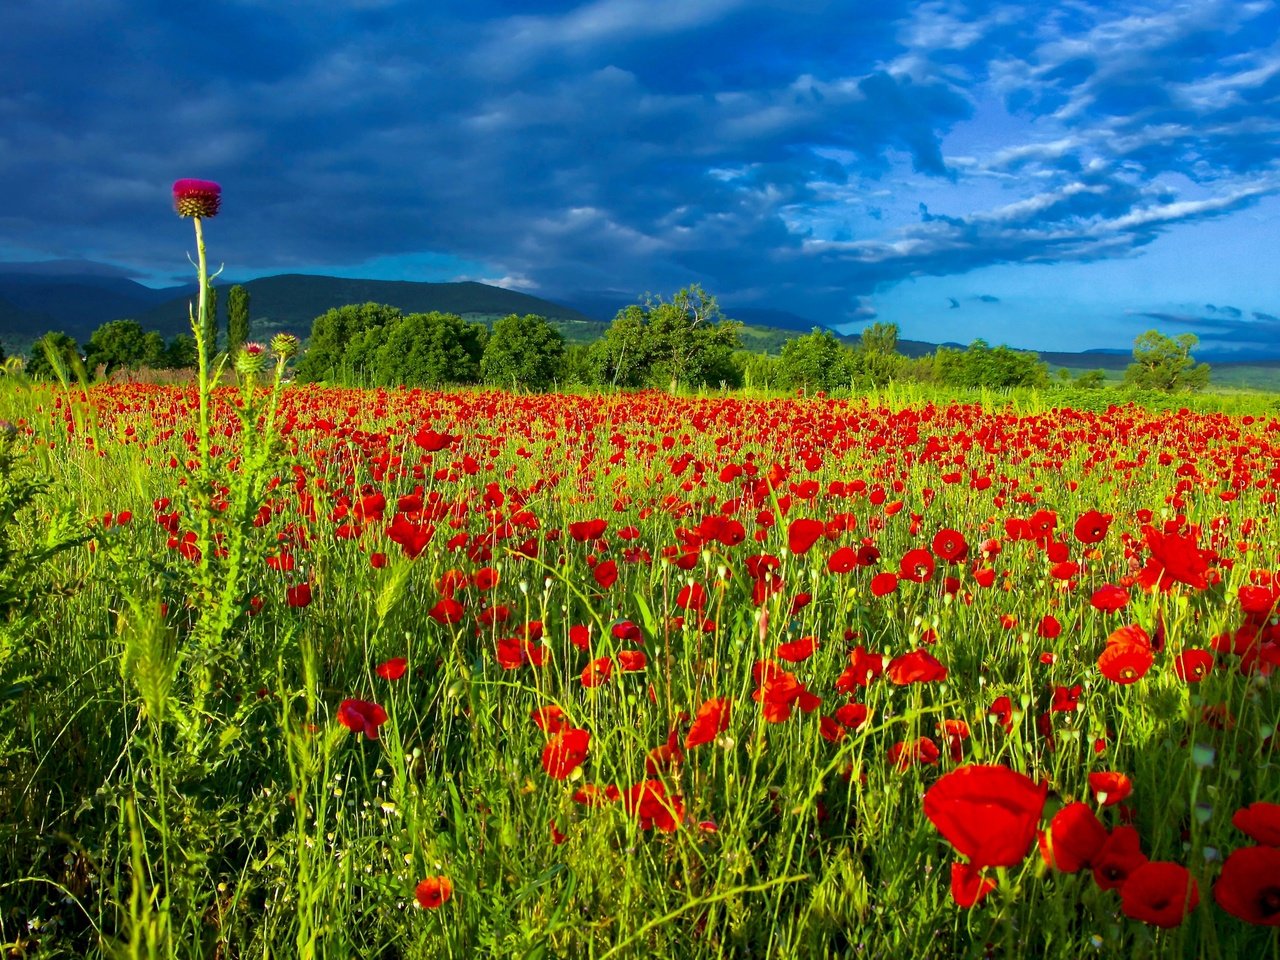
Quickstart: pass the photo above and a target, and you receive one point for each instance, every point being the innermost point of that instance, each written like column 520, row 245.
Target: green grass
column 177, row 784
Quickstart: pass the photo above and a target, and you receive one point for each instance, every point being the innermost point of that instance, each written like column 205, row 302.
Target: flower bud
column 285, row 345
column 251, row 359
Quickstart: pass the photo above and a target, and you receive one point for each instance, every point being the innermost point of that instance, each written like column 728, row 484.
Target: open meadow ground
column 415, row 674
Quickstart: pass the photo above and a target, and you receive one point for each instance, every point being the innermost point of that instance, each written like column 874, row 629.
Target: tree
column 430, row 349
column 333, row 331
column 814, row 361
column 523, row 351
column 880, row 338
column 180, row 354
column 123, row 344
column 65, row 351
column 1092, row 379
column 984, row 366
column 668, row 344
column 1164, row 363
column 237, row 318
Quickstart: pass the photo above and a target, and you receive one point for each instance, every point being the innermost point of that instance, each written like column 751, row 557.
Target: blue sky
column 1056, row 175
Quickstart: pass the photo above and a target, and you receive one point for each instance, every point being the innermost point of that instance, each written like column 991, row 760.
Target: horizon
column 1113, row 169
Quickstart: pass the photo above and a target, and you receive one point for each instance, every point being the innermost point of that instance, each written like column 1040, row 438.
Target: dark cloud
column 987, row 298
column 621, row 144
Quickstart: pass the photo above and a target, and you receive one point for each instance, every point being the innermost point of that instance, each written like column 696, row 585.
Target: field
column 332, row 673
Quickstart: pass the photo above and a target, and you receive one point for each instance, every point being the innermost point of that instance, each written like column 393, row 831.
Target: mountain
column 52, row 296
column 291, row 301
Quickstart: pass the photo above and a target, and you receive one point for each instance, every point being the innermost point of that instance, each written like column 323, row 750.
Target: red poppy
column 916, row 565
column 1261, row 822
column 1159, row 893
column 649, row 803
column 1173, row 558
column 1074, row 838
column 565, row 752
column 1109, row 598
column 446, row 611
column 862, row 669
column 797, row 651
column 1128, row 655
column 392, row 669
column 852, row 715
column 362, row 716
column 883, row 584
column 1249, row 887
column 969, row 885
column 803, row 534
column 1049, row 628
column 433, row 892
column 1192, row 665
column 1119, row 856
column 513, row 652
column 1110, row 787
column 711, row 721
column 550, row 718
column 597, row 672
column 1091, row 527
column 908, row 753
column 692, row 597
column 917, row 666
column 778, row 691
column 987, row 812
column 632, row 661
column 950, row 546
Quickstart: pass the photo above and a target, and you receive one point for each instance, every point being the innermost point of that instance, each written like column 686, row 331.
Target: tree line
column 684, row 342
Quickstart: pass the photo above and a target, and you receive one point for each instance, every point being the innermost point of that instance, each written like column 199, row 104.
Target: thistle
column 196, row 198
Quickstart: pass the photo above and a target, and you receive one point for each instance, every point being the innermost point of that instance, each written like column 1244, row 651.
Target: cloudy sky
column 1048, row 174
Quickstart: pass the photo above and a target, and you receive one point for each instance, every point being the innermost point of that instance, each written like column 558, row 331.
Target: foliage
column 326, row 356
column 237, row 318
column 684, row 342
column 123, row 344
column 211, row 325
column 1165, row 363
column 523, row 352
column 880, row 338
column 1092, row 379
column 424, row 349
column 65, row 352
column 180, row 353
column 984, row 366
column 815, row 361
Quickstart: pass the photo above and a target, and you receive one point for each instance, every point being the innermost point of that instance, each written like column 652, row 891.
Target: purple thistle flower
column 196, row 198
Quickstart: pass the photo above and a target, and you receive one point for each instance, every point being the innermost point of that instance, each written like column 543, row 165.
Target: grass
column 175, row 780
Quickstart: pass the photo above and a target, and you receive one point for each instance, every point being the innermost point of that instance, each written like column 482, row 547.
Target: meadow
column 398, row 673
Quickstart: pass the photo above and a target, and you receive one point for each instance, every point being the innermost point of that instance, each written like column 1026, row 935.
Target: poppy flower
column 649, row 803
column 711, row 721
column 433, row 892
column 1261, row 821
column 1119, row 856
column 1128, row 655
column 1192, row 665
column 907, row 753
column 550, row 719
column 803, row 534
column 1091, row 527
column 362, row 716
column 916, row 565
column 565, row 752
column 1074, row 838
column 392, row 669
column 1110, row 787
column 1159, row 893
column 196, row 198
column 446, row 611
column 597, row 672
column 1173, row 558
column 1249, row 886
column 852, row 715
column 883, row 584
column 969, row 885
column 778, row 691
column 605, row 574
column 298, row 595
column 797, row 651
column 1109, row 598
column 987, row 812
column 950, row 546
column 917, row 666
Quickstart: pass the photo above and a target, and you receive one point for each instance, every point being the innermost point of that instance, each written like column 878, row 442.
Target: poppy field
column 397, row 673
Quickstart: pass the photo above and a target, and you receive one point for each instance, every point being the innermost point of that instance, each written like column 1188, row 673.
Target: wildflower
column 1074, row 838
column 1159, row 893
column 196, row 198
column 987, row 812
column 392, row 669
column 1249, row 887
column 433, row 892
column 362, row 716
column 711, row 721
column 565, row 752
column 1261, row 821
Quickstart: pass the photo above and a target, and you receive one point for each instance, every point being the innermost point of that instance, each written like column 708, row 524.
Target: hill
column 290, row 302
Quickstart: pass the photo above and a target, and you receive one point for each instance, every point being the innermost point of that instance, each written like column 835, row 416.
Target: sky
column 1054, row 175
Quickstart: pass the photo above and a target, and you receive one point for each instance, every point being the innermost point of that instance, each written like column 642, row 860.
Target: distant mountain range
column 76, row 297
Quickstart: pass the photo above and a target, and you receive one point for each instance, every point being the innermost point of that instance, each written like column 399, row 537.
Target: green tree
column 524, row 352
column 1164, row 363
column 575, row 368
column 180, row 354
column 430, row 349
column 1092, row 379
column 123, row 344
column 759, row 370
column 237, row 318
column 984, row 366
column 66, row 353
column 880, row 338
column 333, row 331
column 814, row 361
column 685, row 341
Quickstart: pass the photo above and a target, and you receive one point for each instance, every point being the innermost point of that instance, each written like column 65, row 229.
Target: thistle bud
column 285, row 345
column 251, row 359
column 196, row 198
